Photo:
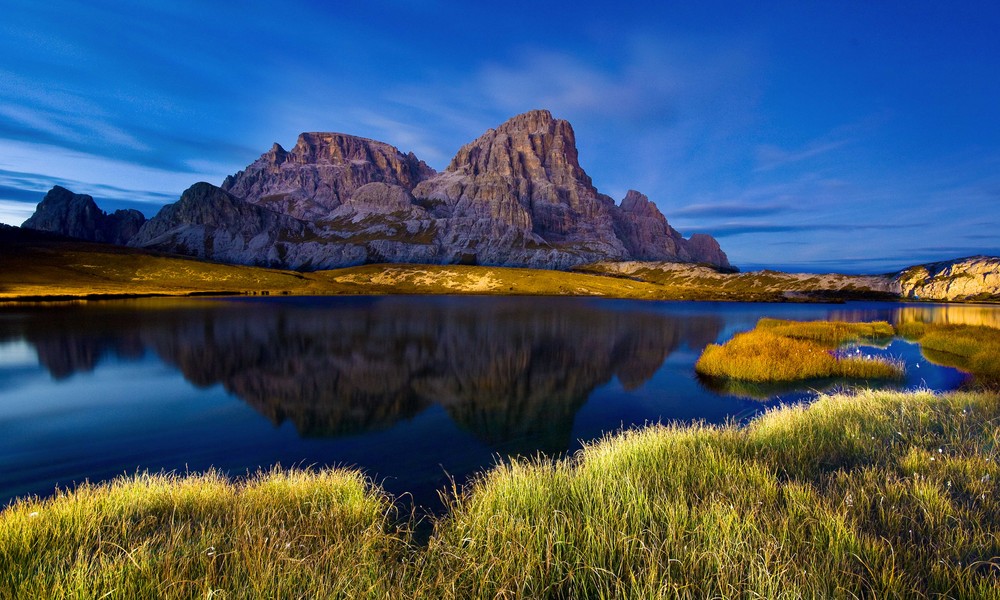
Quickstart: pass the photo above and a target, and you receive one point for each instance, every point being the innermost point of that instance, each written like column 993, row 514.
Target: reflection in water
column 938, row 314
column 512, row 371
column 945, row 314
column 408, row 389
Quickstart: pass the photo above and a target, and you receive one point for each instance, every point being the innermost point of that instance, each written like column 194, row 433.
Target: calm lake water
column 410, row 389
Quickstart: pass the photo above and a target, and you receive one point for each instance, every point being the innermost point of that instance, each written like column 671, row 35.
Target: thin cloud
column 735, row 229
column 771, row 157
column 731, row 209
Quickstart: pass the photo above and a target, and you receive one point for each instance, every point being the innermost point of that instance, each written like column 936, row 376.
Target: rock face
column 322, row 172
column 522, row 183
column 77, row 215
column 647, row 236
column 973, row 278
column 516, row 196
column 207, row 222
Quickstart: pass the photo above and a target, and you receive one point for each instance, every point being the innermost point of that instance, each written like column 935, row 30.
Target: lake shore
column 876, row 493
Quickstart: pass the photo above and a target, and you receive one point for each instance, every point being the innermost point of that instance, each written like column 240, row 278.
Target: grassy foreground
column 777, row 350
column 879, row 494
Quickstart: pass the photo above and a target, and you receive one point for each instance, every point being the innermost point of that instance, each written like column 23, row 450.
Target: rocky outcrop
column 647, row 236
column 322, row 172
column 207, row 222
column 972, row 278
column 77, row 215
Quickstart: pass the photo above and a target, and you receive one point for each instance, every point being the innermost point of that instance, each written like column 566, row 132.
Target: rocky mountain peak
column 525, row 174
column 321, row 172
column 77, row 215
column 638, row 203
column 532, row 146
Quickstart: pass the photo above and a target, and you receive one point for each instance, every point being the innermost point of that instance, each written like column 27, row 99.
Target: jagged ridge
column 77, row 215
column 515, row 196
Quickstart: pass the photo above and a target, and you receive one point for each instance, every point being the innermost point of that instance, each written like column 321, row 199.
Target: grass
column 777, row 351
column 278, row 535
column 971, row 348
column 878, row 494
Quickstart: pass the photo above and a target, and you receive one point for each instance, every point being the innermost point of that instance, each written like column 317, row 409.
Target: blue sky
column 847, row 135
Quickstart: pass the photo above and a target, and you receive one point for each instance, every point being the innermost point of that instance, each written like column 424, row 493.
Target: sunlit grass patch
column 280, row 534
column 971, row 348
column 879, row 494
column 829, row 333
column 789, row 351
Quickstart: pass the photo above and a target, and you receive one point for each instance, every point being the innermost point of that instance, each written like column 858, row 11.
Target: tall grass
column 788, row 351
column 878, row 494
column 875, row 495
column 278, row 535
column 829, row 333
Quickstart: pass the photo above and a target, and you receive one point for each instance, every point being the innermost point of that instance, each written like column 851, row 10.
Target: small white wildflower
column 940, row 450
column 35, row 514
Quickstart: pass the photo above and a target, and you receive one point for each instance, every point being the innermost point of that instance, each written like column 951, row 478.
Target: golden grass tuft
column 778, row 351
column 280, row 535
column 971, row 348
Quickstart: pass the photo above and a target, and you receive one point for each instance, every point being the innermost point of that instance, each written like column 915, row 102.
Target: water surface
column 412, row 390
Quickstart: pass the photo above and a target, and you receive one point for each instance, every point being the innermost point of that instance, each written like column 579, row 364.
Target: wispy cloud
column 771, row 157
column 730, row 209
column 734, row 229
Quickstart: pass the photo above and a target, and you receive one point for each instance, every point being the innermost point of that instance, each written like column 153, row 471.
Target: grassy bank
column 880, row 494
column 778, row 350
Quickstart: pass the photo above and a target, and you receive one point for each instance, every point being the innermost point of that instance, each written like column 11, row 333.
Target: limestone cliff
column 518, row 195
column 972, row 278
column 77, row 215
column 321, row 172
column 647, row 236
column 207, row 222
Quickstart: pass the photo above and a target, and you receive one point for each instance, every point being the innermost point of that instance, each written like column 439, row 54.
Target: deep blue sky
column 844, row 135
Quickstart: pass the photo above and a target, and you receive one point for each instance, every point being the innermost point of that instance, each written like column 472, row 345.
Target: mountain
column 515, row 196
column 77, row 215
column 322, row 172
column 518, row 195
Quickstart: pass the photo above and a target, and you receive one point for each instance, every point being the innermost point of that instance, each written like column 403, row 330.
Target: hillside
column 39, row 265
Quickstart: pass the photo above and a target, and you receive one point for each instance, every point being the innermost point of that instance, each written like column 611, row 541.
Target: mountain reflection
column 512, row 371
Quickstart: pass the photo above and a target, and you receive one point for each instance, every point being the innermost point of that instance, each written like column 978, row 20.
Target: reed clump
column 776, row 351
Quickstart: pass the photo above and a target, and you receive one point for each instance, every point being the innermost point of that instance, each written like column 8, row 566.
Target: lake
column 412, row 390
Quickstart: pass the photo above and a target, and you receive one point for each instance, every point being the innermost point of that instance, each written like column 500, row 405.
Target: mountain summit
column 515, row 196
